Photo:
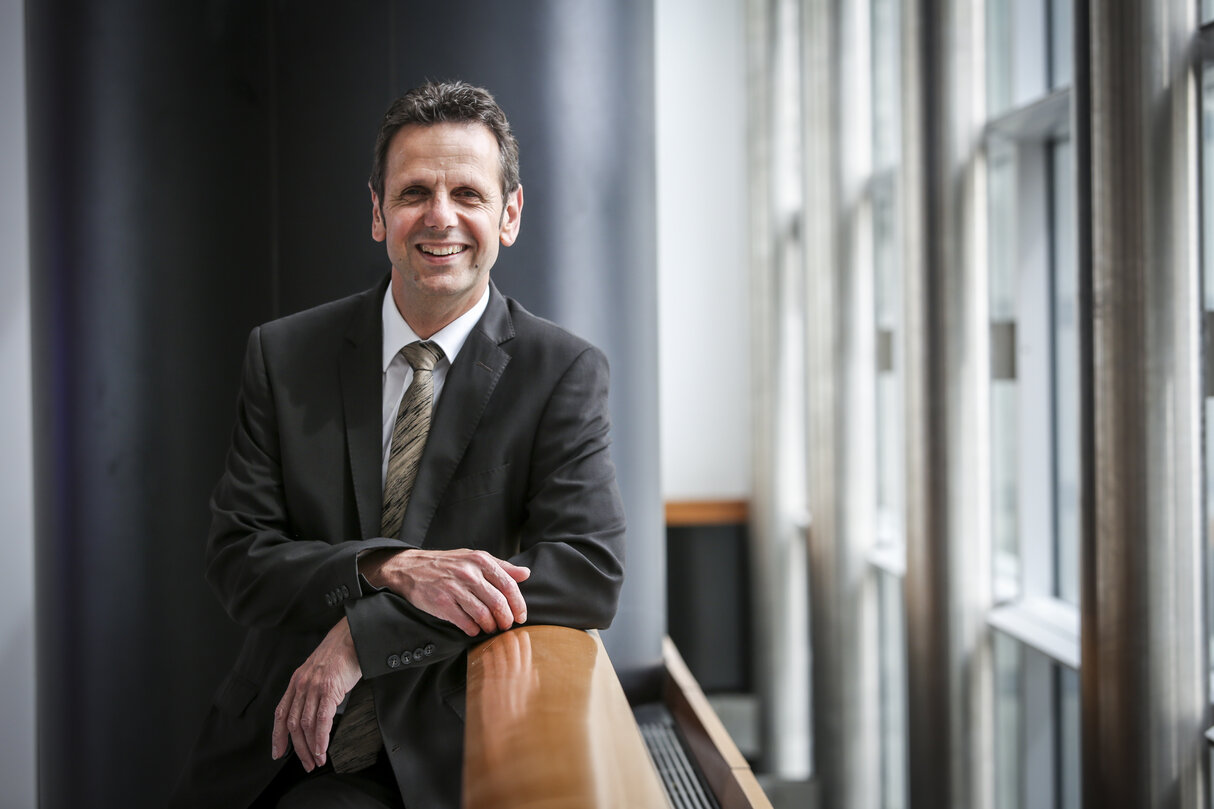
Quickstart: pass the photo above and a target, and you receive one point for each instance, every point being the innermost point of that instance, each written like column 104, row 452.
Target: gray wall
column 198, row 168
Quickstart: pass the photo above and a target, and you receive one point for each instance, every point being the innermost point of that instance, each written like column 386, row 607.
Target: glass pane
column 1001, row 185
column 1069, row 781
column 1037, row 753
column 998, row 56
column 888, row 306
column 1009, row 728
column 893, row 692
column 1060, row 43
column 1027, row 51
column 1207, row 10
column 1066, row 374
column 886, row 144
column 887, row 89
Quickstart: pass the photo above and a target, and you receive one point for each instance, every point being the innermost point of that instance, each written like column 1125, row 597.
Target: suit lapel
column 470, row 382
column 361, row 375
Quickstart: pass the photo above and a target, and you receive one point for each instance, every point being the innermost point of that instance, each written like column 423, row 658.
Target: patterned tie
column 357, row 740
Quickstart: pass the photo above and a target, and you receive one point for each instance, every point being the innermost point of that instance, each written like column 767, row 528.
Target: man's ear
column 512, row 216
column 379, row 231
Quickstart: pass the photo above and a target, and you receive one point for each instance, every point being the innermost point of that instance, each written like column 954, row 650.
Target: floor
column 739, row 714
column 790, row 794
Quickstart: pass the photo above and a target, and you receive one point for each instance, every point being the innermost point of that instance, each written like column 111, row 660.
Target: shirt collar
column 450, row 338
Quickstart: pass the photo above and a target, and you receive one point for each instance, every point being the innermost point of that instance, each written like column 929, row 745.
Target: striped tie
column 357, row 741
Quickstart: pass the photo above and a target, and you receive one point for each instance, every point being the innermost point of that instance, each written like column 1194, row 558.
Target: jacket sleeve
column 265, row 576
column 572, row 538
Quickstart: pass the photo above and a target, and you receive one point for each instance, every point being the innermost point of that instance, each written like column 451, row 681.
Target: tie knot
column 422, row 356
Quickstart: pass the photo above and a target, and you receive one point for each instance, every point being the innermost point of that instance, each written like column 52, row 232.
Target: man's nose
column 441, row 213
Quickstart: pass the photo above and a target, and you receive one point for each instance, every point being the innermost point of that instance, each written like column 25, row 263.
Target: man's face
column 443, row 215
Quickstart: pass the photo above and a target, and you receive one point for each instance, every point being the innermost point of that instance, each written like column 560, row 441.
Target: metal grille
column 684, row 787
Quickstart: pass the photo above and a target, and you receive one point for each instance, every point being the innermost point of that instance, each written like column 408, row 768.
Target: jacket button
column 393, row 661
column 405, row 657
column 429, row 650
column 329, row 599
column 345, row 591
column 418, row 652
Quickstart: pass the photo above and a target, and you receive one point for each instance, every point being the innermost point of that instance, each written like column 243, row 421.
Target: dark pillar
column 149, row 259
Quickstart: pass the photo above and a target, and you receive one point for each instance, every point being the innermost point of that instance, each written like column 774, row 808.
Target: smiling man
column 413, row 469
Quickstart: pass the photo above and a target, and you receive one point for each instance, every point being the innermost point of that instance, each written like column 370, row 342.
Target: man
column 512, row 512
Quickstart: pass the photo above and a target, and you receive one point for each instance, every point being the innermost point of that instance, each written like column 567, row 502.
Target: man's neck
column 427, row 317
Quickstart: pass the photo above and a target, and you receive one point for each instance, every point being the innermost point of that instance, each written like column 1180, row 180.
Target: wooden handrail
column 548, row 725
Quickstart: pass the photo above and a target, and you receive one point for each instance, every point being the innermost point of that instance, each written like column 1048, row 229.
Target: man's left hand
column 306, row 710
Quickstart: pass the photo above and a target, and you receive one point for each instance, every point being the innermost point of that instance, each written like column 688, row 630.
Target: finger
column 295, row 728
column 480, row 608
column 507, row 602
column 324, row 726
column 472, row 616
column 301, row 750
column 278, row 739
column 308, row 723
column 448, row 607
column 516, row 572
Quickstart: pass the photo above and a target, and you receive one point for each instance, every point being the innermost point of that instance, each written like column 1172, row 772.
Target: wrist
column 371, row 566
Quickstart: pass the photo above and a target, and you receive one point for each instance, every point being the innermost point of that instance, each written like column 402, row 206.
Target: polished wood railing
column 548, row 725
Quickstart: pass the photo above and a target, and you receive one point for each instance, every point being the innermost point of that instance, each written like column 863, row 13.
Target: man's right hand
column 474, row 590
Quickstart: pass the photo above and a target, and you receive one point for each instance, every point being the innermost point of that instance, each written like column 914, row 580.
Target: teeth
column 442, row 251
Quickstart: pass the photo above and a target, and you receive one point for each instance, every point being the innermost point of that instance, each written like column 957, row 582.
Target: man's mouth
column 441, row 249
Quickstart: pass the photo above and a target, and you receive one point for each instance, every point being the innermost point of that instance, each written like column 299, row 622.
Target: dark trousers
column 372, row 788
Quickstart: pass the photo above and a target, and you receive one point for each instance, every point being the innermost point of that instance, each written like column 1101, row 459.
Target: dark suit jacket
column 516, row 464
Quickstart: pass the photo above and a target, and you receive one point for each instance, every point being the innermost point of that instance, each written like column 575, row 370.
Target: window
column 889, row 555
column 1032, row 287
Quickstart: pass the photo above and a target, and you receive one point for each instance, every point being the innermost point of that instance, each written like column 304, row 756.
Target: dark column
column 198, row 168
column 150, row 258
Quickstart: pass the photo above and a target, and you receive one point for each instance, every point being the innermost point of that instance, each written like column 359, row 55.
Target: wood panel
column 707, row 512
